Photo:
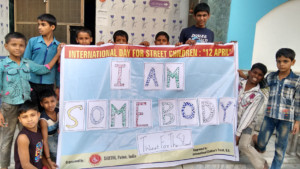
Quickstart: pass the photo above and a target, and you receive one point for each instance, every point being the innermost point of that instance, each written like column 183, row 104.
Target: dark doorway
column 89, row 20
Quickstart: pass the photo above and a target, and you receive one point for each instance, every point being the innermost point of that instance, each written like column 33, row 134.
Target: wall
column 243, row 17
column 139, row 19
column 278, row 29
column 4, row 25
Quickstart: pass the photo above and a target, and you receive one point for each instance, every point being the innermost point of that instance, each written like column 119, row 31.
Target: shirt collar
column 41, row 39
column 8, row 60
column 254, row 89
column 291, row 75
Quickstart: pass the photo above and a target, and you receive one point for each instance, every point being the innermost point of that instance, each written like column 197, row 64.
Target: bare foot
column 266, row 166
column 254, row 139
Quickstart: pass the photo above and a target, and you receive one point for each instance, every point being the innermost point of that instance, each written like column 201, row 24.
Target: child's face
column 161, row 40
column 255, row 76
column 201, row 18
column 49, row 103
column 45, row 28
column 284, row 64
column 121, row 40
column 84, row 38
column 29, row 119
column 15, row 47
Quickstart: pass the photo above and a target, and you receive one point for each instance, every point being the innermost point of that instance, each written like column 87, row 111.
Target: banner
column 126, row 106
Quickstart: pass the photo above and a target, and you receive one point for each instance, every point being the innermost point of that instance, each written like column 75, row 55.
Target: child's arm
column 1, row 115
column 296, row 127
column 44, row 129
column 44, row 69
column 1, row 120
column 23, row 151
column 297, row 109
column 242, row 74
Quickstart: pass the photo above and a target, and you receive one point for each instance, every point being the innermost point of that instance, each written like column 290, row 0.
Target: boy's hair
column 46, row 93
column 28, row 105
column 48, row 18
column 261, row 67
column 120, row 33
column 84, row 29
column 162, row 33
column 16, row 35
column 286, row 52
column 201, row 7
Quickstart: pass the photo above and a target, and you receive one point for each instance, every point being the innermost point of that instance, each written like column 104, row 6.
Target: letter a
column 152, row 75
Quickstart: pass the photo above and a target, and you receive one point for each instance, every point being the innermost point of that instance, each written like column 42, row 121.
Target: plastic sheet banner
column 124, row 106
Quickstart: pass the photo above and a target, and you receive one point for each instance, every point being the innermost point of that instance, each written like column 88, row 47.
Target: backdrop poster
column 126, row 106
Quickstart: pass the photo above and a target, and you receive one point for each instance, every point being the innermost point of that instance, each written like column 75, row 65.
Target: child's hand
column 237, row 140
column 59, row 47
column 218, row 43
column 57, row 93
column 296, row 127
column 100, row 43
column 190, row 42
column 145, row 43
column 52, row 164
column 241, row 74
column 1, row 120
column 178, row 43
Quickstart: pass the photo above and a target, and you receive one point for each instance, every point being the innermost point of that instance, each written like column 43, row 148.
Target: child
column 283, row 108
column 121, row 37
column 162, row 38
column 197, row 33
column 42, row 49
column 84, row 36
column 29, row 142
column 49, row 125
column 15, row 88
column 250, row 101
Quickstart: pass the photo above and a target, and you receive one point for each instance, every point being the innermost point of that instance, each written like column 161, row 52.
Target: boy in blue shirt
column 283, row 108
column 198, row 33
column 42, row 49
column 15, row 89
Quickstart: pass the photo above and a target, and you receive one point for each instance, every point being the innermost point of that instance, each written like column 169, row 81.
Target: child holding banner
column 121, row 37
column 250, row 101
column 283, row 107
column 84, row 36
column 42, row 49
column 15, row 89
column 49, row 125
column 162, row 38
column 198, row 33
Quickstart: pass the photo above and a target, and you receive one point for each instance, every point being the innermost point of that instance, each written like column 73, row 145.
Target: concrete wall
column 278, row 29
column 4, row 25
column 244, row 15
column 140, row 20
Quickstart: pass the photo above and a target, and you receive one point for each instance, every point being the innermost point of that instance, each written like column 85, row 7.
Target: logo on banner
column 95, row 159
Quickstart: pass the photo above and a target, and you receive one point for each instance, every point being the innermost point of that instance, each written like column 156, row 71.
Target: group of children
column 31, row 74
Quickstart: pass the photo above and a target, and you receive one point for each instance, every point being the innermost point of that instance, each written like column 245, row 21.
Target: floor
column 290, row 161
